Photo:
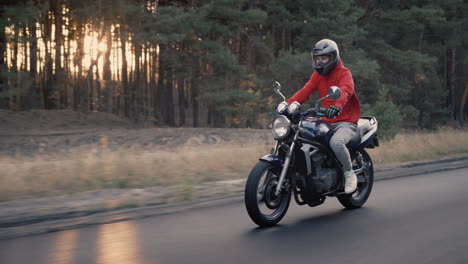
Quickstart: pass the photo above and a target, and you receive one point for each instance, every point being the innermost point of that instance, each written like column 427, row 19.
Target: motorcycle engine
column 317, row 175
column 322, row 178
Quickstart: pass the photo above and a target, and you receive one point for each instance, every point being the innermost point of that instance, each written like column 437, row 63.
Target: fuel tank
column 317, row 130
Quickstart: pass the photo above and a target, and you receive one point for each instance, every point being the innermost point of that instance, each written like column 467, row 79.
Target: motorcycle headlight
column 281, row 127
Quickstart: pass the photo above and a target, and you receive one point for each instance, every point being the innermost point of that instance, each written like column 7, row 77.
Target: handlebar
column 319, row 112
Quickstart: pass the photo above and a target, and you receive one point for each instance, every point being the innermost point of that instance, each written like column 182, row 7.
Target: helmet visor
column 321, row 60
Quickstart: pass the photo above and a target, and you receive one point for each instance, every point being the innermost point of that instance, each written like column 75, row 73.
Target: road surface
column 418, row 219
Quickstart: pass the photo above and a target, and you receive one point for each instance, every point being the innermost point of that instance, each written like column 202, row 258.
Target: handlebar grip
column 321, row 111
column 308, row 112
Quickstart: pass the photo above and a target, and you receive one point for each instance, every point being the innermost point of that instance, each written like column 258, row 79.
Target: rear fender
column 371, row 142
column 369, row 139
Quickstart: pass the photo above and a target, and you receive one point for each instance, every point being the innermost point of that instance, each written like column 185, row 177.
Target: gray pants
column 343, row 133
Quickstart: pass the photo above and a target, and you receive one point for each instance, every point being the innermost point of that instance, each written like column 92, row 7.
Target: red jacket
column 348, row 102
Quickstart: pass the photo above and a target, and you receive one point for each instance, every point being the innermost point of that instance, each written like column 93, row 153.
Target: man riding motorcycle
column 343, row 113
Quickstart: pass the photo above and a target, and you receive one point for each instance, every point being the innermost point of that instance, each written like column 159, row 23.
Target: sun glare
column 102, row 47
column 91, row 54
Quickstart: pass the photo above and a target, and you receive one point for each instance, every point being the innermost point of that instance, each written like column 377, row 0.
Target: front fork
column 287, row 161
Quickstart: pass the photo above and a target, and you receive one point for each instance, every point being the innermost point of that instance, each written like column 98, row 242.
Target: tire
column 359, row 198
column 263, row 207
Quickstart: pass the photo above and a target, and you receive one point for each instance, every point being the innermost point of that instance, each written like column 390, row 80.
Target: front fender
column 277, row 161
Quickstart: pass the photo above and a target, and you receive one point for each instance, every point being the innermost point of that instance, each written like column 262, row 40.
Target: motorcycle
column 303, row 165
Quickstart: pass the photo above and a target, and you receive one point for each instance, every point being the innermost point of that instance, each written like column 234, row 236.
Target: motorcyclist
column 343, row 113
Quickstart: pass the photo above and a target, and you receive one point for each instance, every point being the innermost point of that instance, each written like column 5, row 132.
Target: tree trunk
column 195, row 105
column 169, row 99
column 67, row 71
column 32, row 95
column 78, row 93
column 210, row 116
column 160, row 93
column 106, row 103
column 165, row 84
column 283, row 37
column 49, row 85
column 56, row 8
column 463, row 114
column 273, row 39
column 154, row 87
column 136, row 103
column 453, row 68
column 146, row 92
column 418, row 95
column 14, row 69
column 237, row 47
column 125, row 92
column 3, row 67
column 181, row 89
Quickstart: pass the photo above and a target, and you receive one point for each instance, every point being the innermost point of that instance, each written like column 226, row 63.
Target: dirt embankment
column 38, row 131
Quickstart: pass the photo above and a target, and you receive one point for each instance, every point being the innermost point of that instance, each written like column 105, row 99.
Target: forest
column 211, row 63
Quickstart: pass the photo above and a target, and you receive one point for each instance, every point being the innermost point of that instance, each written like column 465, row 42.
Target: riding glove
column 282, row 107
column 294, row 107
column 332, row 111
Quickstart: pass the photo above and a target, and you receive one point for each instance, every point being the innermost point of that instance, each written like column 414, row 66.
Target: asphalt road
column 418, row 219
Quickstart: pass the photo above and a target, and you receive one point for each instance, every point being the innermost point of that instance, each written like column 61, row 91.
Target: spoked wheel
column 365, row 181
column 264, row 207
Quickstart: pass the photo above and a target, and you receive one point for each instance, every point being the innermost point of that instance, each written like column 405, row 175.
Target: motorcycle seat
column 364, row 125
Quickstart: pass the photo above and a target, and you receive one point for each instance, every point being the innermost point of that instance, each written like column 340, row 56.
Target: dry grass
column 416, row 146
column 83, row 169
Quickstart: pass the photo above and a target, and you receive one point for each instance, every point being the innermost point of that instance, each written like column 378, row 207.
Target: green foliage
column 331, row 19
column 18, row 85
column 228, row 52
column 388, row 114
column 20, row 14
column 366, row 74
column 291, row 70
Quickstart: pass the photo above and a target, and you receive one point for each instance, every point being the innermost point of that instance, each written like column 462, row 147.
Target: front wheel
column 263, row 206
column 361, row 159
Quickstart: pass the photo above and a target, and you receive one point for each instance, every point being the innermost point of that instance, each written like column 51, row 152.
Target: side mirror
column 277, row 89
column 334, row 92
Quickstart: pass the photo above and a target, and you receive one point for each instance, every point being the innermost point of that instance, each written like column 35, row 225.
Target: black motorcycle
column 302, row 164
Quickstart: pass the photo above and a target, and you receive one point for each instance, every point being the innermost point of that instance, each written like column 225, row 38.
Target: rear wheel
column 365, row 181
column 263, row 206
